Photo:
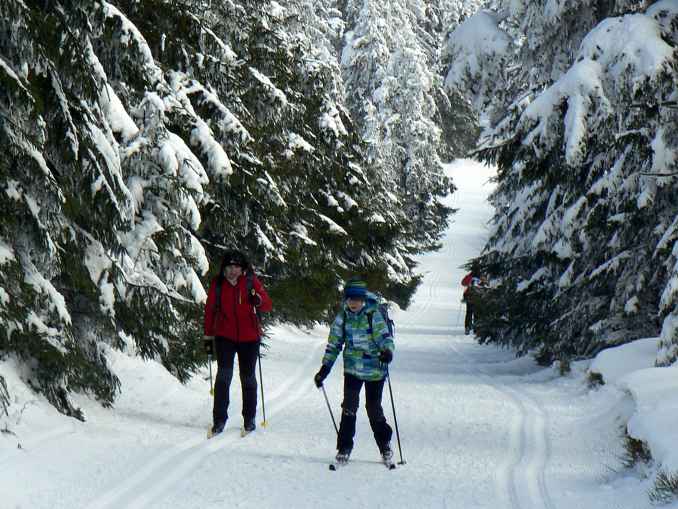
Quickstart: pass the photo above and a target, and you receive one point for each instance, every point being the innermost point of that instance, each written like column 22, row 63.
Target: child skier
column 362, row 332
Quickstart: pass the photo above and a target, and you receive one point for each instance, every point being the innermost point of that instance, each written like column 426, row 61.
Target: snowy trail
column 521, row 478
column 480, row 429
column 523, row 474
column 141, row 488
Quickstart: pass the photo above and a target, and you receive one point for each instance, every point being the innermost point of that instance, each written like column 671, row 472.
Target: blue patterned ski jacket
column 361, row 344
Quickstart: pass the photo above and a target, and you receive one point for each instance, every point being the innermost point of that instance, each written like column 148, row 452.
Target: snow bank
column 654, row 391
column 29, row 417
column 615, row 363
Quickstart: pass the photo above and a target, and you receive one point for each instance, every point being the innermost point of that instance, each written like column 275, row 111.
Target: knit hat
column 234, row 258
column 355, row 288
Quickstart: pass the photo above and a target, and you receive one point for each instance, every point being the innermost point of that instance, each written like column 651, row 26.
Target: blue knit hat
column 355, row 288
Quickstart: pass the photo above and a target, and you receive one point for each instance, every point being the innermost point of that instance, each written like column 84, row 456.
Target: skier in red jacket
column 232, row 327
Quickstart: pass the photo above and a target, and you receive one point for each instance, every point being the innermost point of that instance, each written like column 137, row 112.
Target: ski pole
column 263, row 402
column 395, row 420
column 330, row 409
column 209, row 361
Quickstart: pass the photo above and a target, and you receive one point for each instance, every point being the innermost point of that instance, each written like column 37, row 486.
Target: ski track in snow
column 153, row 480
column 523, row 475
column 410, row 324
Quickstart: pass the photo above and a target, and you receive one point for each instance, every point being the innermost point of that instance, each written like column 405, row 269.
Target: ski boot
column 342, row 457
column 387, row 457
column 387, row 453
column 248, row 428
column 216, row 428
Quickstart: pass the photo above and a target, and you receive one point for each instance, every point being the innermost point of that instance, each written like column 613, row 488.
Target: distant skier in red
column 471, row 282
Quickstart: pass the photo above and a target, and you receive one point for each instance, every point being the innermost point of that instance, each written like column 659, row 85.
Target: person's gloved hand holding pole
column 321, row 375
column 386, row 356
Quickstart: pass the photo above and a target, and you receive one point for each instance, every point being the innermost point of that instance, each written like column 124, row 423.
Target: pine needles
column 665, row 488
column 635, row 452
column 594, row 380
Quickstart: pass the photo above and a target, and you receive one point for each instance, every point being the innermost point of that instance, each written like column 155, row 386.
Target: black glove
column 208, row 344
column 386, row 356
column 321, row 375
column 254, row 298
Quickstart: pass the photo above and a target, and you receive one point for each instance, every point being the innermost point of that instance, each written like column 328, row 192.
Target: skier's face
column 233, row 272
column 355, row 304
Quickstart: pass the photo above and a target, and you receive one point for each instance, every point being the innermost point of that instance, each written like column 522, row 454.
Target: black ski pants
column 248, row 353
column 468, row 320
column 375, row 413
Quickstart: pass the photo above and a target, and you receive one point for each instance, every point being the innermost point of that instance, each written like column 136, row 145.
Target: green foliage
column 594, row 380
column 564, row 367
column 635, row 452
column 306, row 297
column 510, row 317
column 665, row 489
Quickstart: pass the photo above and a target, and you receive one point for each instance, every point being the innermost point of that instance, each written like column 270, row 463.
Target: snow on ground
column 479, row 428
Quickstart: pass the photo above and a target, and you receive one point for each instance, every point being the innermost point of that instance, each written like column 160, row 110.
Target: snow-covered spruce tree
column 323, row 28
column 505, row 53
column 554, row 30
column 319, row 22
column 391, row 92
column 297, row 187
column 61, row 192
column 110, row 196
column 454, row 115
column 477, row 54
column 580, row 252
column 665, row 160
column 429, row 107
column 329, row 216
column 151, row 53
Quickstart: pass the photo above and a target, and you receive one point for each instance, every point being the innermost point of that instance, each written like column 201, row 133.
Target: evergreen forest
column 141, row 139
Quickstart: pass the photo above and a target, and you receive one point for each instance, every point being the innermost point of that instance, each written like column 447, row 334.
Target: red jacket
column 236, row 319
column 467, row 281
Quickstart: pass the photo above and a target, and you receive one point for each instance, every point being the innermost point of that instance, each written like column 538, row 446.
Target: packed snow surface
column 479, row 428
